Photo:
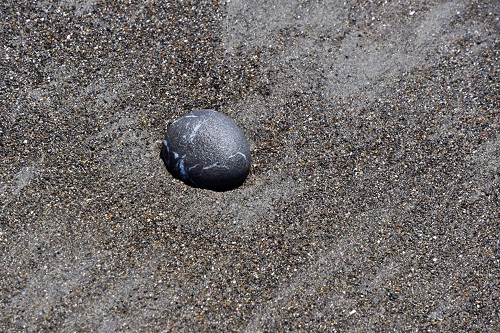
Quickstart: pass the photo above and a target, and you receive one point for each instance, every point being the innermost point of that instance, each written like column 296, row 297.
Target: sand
column 373, row 199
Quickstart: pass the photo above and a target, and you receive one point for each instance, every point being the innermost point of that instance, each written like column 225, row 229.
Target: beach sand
column 372, row 204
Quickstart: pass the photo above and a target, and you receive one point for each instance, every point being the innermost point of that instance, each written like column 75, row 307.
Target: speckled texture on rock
column 207, row 149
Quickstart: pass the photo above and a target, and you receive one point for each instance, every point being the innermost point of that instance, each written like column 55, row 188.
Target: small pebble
column 206, row 149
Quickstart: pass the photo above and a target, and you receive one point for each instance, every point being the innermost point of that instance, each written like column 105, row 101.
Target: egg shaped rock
column 206, row 149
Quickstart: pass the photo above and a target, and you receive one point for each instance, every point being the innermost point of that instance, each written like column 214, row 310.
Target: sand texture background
column 373, row 200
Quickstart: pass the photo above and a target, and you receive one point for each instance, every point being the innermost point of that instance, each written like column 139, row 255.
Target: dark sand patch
column 372, row 204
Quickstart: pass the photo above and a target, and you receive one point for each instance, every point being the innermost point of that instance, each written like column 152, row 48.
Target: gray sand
column 373, row 198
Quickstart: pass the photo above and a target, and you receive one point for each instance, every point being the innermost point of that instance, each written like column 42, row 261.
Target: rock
column 208, row 150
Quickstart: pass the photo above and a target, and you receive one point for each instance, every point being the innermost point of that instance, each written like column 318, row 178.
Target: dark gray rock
column 206, row 149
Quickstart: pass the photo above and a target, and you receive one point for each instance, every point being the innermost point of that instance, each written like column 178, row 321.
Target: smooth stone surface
column 206, row 149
